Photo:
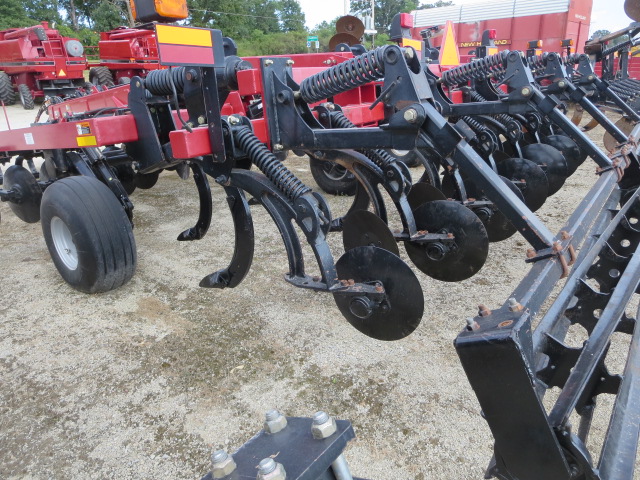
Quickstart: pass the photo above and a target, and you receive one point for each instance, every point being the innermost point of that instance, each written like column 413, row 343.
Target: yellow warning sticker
column 87, row 141
column 62, row 73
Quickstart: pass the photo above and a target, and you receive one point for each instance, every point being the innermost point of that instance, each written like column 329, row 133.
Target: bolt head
column 290, row 62
column 409, row 53
column 277, row 147
column 201, row 120
column 223, row 466
column 269, row 469
column 562, row 84
column 325, row 429
column 233, row 120
column 526, row 91
column 411, row 115
column 268, row 62
column 275, row 422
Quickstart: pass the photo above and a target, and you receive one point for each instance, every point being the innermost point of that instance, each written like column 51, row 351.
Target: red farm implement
column 36, row 62
column 125, row 53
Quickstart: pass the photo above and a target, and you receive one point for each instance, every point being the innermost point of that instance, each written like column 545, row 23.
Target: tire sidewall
column 89, row 268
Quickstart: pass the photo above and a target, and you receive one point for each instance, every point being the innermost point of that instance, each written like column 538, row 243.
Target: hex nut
column 274, row 425
column 277, row 473
column 220, row 469
column 411, row 115
column 324, row 430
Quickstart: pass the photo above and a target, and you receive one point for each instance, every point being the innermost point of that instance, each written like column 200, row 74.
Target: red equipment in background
column 125, row 53
column 516, row 22
column 38, row 61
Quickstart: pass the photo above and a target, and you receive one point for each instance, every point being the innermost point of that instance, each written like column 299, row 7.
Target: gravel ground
column 143, row 381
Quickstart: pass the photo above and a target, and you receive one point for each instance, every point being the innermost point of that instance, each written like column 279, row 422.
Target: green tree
column 291, row 17
column 600, row 33
column 12, row 15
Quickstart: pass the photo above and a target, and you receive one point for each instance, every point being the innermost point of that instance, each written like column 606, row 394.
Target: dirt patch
column 143, row 381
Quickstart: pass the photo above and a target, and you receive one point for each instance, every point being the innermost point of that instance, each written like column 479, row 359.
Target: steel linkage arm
column 405, row 90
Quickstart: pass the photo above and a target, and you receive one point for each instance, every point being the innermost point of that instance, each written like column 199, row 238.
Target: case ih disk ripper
column 36, row 62
column 501, row 152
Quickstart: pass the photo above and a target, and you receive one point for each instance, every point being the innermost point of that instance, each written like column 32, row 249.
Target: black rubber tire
column 26, row 99
column 7, row 93
column 101, row 232
column 124, row 81
column 332, row 178
column 101, row 76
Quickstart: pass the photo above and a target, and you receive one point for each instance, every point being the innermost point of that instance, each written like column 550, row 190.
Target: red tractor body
column 40, row 61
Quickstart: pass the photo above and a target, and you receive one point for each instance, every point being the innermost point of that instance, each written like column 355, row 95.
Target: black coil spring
column 268, row 164
column 475, row 125
column 617, row 48
column 158, row 82
column 502, row 117
column 476, row 69
column 380, row 157
column 345, row 76
column 537, row 62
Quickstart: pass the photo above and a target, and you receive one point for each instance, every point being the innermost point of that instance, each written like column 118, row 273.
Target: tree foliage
column 259, row 27
column 385, row 10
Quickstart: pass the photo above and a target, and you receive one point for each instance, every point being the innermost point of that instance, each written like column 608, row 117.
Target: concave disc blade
column 404, row 296
column 551, row 161
column 498, row 226
column 632, row 9
column 471, row 241
column 362, row 228
column 350, row 24
column 147, row 180
column 569, row 149
column 28, row 210
column 422, row 193
column 536, row 187
column 623, row 124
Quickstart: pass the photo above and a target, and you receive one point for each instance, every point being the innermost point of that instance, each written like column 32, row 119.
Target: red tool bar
column 68, row 135
column 189, row 145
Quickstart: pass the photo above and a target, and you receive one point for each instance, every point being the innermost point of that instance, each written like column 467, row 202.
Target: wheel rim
column 63, row 242
column 336, row 172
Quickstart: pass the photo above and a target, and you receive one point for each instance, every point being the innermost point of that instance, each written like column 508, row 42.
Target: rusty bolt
column 514, row 305
column 379, row 288
column 472, row 324
column 531, row 253
column 565, row 235
column 268, row 63
column 269, row 469
column 483, row 311
column 323, row 425
column 411, row 115
column 274, row 421
column 222, row 464
column 526, row 91
column 557, row 247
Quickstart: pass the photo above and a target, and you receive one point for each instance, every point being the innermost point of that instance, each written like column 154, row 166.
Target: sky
column 606, row 14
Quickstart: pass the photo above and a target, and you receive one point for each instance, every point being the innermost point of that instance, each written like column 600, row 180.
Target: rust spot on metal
column 379, row 288
column 483, row 311
column 351, row 282
column 565, row 235
column 531, row 253
column 506, row 323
